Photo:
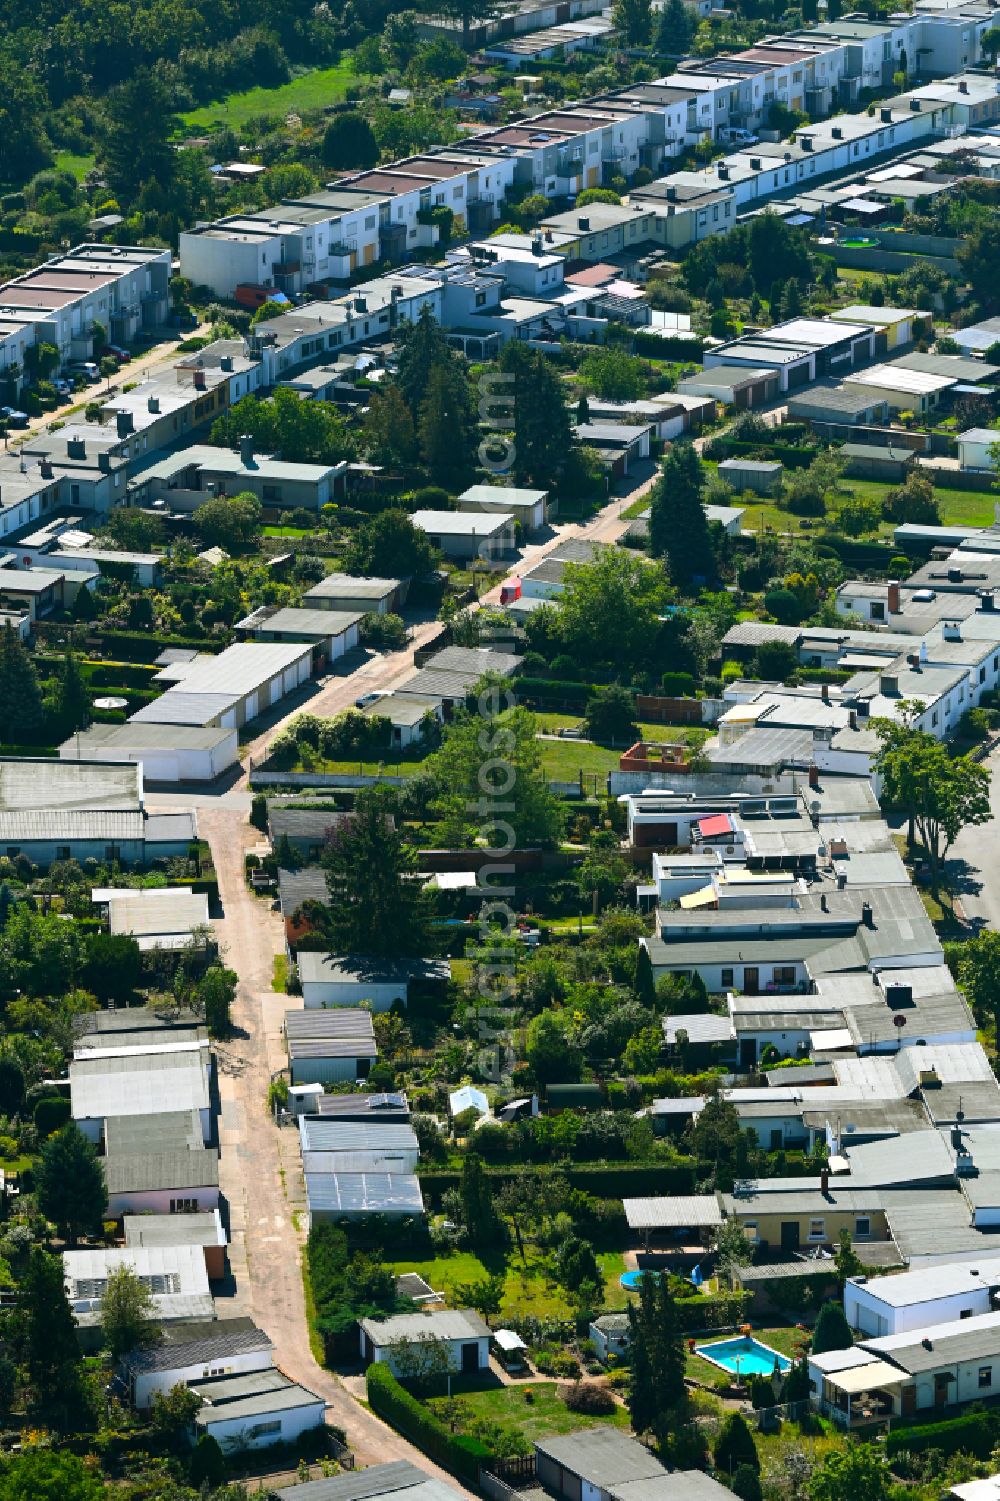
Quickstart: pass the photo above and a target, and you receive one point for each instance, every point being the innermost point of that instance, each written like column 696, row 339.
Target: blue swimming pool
column 744, row 1356
column 631, row 1280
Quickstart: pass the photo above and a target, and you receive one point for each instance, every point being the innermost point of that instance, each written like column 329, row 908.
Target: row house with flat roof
column 122, row 288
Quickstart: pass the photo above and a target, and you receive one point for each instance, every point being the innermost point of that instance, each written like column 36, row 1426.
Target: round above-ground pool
column 744, row 1356
column 632, row 1280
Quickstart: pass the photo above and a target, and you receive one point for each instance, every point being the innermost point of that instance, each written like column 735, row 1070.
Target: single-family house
column 528, row 507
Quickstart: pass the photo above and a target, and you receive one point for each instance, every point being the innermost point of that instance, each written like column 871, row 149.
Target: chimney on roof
column 824, row 905
column 153, row 404
column 246, row 451
column 813, row 775
column 805, row 142
column 76, row 448
column 885, row 115
column 841, row 880
column 867, row 915
column 852, row 719
column 45, row 468
column 893, row 599
column 199, row 380
column 915, row 106
column 125, row 424
column 104, row 463
column 583, row 222
column 837, row 133
column 888, row 684
column 951, row 630
column 963, row 87
column 723, row 172
column 226, row 363
column 988, row 601
column 824, row 1180
column 537, row 245
column 756, row 164
column 824, row 692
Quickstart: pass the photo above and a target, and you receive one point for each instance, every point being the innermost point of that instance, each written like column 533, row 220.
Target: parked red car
column 117, row 352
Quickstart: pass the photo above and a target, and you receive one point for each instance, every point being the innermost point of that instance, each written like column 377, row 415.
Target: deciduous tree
column 128, row 1314
column 940, row 795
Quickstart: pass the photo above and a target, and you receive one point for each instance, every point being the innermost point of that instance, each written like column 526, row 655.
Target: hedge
column 628, row 1180
column 456, row 1452
column 142, row 646
column 710, row 1311
column 972, row 1433
column 784, row 453
column 549, row 688
column 687, row 350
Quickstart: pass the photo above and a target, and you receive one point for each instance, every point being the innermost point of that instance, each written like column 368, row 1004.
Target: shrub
column 586, row 1397
column 677, row 684
column 50, row 1114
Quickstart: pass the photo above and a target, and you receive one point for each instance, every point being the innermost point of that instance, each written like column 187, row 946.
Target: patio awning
column 704, row 897
column 873, row 1377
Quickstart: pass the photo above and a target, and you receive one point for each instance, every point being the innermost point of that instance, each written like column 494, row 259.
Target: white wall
column 257, row 1433
column 383, row 1354
column 147, row 1383
column 319, row 993
column 864, row 1310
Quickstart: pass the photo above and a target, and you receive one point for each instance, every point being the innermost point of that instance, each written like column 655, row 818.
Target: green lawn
column 68, row 161
column 313, row 90
column 529, row 1289
column 565, row 760
column 532, row 1410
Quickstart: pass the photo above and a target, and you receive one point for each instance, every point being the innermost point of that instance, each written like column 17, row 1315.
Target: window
column 13, row 850
column 965, row 1313
column 982, row 674
column 62, row 852
column 862, row 1226
column 750, row 1230
column 985, row 1376
column 878, row 610
column 817, row 1229
column 727, row 977
column 112, row 853
column 183, row 1206
column 272, row 492
column 784, row 974
column 260, row 1429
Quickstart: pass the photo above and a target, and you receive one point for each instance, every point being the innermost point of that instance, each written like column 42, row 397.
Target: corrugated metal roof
column 603, row 1456
column 334, row 1022
column 398, row 1477
column 364, row 1193
column 317, row 1135
column 699, row 1210
column 66, row 825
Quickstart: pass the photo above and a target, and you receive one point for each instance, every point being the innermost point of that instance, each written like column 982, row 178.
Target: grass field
column 529, row 1289
column 958, row 508
column 313, row 90
column 564, row 760
column 531, row 1410
column 68, row 161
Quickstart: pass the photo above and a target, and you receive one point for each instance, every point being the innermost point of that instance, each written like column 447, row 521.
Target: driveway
column 259, row 1165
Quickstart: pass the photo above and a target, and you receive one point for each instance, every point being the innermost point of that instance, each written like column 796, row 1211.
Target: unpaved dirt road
column 260, row 1168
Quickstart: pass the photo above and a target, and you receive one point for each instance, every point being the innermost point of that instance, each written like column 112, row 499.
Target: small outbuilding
column 760, row 477
column 256, row 1409
column 329, row 981
column 465, row 1338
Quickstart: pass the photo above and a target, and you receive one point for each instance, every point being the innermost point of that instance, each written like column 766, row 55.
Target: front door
column 470, row 1357
column 908, row 1401
column 941, row 1384
column 790, row 1235
column 751, row 980
column 748, row 1052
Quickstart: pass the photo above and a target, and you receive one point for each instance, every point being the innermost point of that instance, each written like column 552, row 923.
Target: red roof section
column 719, row 823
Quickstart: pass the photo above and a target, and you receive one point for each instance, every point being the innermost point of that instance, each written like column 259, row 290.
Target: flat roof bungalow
column 878, row 1306
column 398, row 1480
column 132, row 1081
column 327, row 980
column 735, row 385
column 344, row 592
column 331, row 633
column 331, row 1197
column 175, row 1277
column 464, row 1336
column 903, row 390
column 528, row 507
column 256, row 1409
column 194, row 1352
column 173, row 1181
column 333, row 1146
column 465, row 535
column 202, row 1228
column 330, row 1046
column 604, row 1464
